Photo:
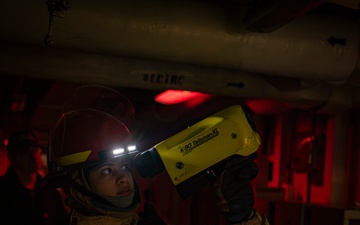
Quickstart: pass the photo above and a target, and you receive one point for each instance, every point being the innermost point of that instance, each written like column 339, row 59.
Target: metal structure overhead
column 303, row 53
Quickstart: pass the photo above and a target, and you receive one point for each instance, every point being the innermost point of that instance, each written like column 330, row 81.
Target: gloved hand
column 234, row 191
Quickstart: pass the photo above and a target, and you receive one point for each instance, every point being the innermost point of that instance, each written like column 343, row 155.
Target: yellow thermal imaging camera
column 191, row 156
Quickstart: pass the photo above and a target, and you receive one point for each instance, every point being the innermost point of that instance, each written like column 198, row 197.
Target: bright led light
column 132, row 148
column 118, row 151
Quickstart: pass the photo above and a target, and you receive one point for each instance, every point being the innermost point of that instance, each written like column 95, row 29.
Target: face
column 29, row 161
column 111, row 178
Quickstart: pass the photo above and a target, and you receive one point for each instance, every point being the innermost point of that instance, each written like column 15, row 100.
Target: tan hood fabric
column 80, row 219
column 94, row 215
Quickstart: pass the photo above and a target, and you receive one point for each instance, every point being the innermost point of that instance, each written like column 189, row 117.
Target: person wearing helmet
column 90, row 155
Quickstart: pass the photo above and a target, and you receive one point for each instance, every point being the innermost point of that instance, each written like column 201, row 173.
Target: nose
column 121, row 178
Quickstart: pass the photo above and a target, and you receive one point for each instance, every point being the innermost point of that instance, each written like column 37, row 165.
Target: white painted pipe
column 199, row 33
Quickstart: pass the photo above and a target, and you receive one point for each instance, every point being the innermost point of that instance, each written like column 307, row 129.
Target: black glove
column 234, row 191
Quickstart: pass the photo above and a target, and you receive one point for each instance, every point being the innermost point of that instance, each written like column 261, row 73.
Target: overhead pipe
column 151, row 44
column 191, row 32
column 77, row 67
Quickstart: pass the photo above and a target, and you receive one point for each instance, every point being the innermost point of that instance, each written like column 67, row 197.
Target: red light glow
column 6, row 142
column 170, row 97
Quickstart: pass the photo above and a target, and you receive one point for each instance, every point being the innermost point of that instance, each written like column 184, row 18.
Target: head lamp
column 121, row 151
column 118, row 151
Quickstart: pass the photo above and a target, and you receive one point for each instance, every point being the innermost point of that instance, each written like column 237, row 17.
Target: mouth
column 125, row 192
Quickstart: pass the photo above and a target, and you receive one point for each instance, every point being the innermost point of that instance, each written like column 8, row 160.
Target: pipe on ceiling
column 185, row 45
column 77, row 67
column 191, row 32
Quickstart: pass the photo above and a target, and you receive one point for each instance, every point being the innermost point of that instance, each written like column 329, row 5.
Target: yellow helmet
column 93, row 127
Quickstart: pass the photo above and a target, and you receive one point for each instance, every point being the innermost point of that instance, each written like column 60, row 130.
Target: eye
column 107, row 171
column 125, row 167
